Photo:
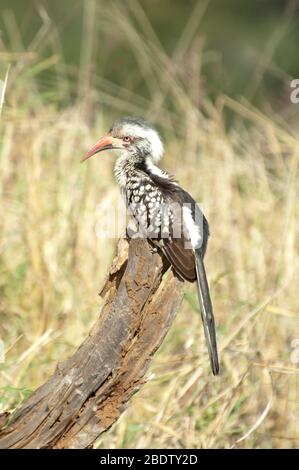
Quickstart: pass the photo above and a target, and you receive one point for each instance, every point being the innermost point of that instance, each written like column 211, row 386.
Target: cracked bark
column 88, row 392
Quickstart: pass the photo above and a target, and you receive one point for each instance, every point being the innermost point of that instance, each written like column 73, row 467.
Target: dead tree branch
column 88, row 392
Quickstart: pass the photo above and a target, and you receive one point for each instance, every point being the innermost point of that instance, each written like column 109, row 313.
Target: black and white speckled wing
column 186, row 256
column 144, row 201
column 170, row 218
column 188, row 231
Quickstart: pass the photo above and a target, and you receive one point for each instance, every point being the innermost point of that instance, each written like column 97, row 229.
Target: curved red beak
column 105, row 143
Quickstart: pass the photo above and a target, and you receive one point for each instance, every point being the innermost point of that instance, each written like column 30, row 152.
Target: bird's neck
column 127, row 168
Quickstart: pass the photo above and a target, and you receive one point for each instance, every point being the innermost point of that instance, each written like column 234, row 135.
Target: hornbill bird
column 161, row 210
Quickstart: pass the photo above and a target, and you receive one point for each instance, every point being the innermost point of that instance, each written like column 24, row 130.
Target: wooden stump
column 88, row 392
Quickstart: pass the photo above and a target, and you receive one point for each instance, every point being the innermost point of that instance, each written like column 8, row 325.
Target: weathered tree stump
column 88, row 392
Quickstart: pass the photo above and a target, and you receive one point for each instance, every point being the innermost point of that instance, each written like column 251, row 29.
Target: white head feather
column 157, row 148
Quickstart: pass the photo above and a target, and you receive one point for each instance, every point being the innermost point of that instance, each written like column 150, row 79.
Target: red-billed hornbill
column 162, row 210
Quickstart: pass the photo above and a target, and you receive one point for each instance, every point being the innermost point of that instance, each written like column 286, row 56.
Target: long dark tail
column 206, row 312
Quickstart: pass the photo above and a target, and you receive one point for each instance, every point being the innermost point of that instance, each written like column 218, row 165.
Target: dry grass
column 52, row 264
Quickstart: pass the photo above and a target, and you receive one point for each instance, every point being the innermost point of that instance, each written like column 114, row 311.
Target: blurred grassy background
column 215, row 78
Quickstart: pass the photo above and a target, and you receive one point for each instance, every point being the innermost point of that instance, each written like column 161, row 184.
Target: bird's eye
column 127, row 139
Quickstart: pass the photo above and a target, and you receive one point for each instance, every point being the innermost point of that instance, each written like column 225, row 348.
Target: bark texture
column 88, row 392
